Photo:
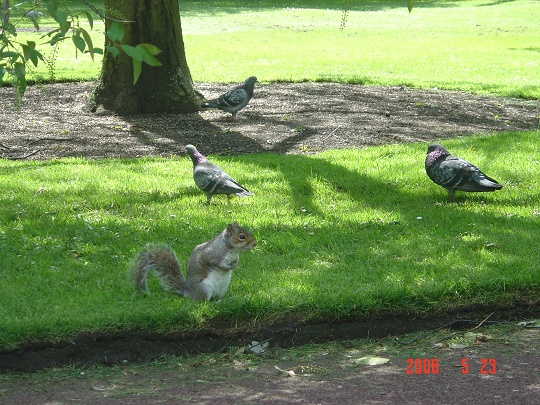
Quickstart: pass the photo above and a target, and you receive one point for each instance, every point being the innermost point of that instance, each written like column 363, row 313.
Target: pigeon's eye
column 241, row 236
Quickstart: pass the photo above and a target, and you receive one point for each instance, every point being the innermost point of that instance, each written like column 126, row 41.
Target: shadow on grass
column 109, row 241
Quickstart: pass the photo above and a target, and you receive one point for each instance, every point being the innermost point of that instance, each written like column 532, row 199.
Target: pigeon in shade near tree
column 454, row 173
column 211, row 179
column 234, row 99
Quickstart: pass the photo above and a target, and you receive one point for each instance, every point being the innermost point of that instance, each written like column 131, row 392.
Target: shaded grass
column 340, row 233
column 461, row 45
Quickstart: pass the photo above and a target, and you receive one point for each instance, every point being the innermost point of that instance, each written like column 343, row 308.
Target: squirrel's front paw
column 230, row 265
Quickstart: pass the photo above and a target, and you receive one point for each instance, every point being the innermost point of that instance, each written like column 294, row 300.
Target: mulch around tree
column 52, row 121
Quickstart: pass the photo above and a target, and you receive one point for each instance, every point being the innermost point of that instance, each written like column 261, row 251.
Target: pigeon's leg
column 228, row 198
column 208, row 198
column 451, row 193
column 234, row 117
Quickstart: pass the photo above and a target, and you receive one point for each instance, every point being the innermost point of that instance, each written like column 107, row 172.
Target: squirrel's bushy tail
column 162, row 260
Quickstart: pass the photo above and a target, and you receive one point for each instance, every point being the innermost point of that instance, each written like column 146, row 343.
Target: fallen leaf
column 457, row 346
column 289, row 373
column 534, row 323
column 258, row 347
column 437, row 345
column 371, row 361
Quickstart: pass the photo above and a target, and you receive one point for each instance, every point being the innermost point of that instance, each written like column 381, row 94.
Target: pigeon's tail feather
column 244, row 194
column 484, row 185
column 490, row 184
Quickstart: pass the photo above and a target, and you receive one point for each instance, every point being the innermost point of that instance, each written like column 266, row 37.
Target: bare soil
column 52, row 122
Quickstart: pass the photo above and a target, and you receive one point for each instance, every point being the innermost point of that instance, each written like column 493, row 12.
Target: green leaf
column 115, row 32
column 133, row 52
column 88, row 40
column 34, row 56
column 137, row 65
column 2, row 73
column 59, row 36
column 89, row 18
column 148, row 51
column 79, row 42
column 61, row 18
column 51, row 7
column 28, row 49
column 113, row 50
column 48, row 34
column 410, row 4
column 10, row 55
column 19, row 71
column 154, row 50
column 10, row 29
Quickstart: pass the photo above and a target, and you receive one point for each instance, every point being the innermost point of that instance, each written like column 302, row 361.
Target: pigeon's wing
column 459, row 174
column 230, row 186
column 479, row 181
column 213, row 180
column 207, row 176
column 452, row 172
column 233, row 98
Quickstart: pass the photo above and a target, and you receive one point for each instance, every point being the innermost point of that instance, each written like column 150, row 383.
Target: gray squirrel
column 209, row 266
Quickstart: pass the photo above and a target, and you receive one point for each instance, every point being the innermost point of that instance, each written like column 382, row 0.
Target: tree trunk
column 166, row 88
column 5, row 12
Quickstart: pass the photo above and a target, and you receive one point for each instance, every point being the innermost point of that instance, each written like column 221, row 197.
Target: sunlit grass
column 341, row 233
column 465, row 45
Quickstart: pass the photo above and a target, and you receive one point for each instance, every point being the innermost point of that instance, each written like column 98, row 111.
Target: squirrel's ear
column 230, row 228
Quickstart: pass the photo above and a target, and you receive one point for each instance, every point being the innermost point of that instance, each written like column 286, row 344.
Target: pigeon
column 454, row 173
column 211, row 179
column 234, row 99
column 34, row 15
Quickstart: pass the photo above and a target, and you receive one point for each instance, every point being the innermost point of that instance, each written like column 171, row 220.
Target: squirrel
column 209, row 266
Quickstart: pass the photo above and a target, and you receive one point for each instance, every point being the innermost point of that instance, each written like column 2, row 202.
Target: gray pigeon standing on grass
column 234, row 99
column 211, row 179
column 454, row 173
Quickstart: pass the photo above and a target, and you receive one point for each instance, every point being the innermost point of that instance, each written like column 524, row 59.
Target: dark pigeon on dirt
column 234, row 99
column 211, row 179
column 454, row 173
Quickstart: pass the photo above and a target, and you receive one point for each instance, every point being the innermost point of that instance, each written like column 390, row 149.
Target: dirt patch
column 483, row 365
column 52, row 122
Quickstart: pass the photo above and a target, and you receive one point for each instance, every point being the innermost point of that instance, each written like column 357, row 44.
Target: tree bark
column 166, row 88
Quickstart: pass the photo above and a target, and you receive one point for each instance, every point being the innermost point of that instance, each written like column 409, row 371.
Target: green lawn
column 474, row 45
column 348, row 232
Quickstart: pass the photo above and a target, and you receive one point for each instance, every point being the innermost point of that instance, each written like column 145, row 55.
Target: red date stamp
column 422, row 366
column 487, row 366
column 425, row 366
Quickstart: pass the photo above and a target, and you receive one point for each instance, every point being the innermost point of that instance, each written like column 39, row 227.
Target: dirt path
column 503, row 367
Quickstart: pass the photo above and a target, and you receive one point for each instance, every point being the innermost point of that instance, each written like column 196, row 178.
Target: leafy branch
column 16, row 55
column 139, row 53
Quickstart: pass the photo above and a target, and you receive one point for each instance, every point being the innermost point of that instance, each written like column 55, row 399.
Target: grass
column 473, row 45
column 341, row 233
